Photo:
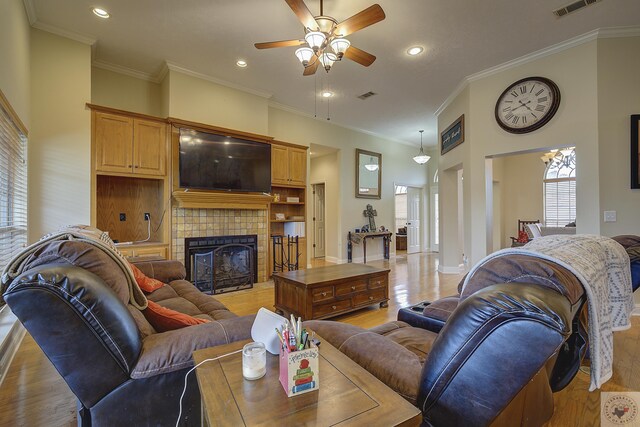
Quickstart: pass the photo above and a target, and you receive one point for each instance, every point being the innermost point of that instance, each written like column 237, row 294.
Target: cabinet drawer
column 151, row 252
column 348, row 288
column 369, row 297
column 322, row 294
column 332, row 307
column 378, row 282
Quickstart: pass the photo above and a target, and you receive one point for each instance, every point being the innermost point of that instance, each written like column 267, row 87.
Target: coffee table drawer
column 332, row 307
column 369, row 297
column 322, row 294
column 348, row 288
column 378, row 282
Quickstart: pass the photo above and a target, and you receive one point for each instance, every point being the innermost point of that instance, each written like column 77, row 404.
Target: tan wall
column 198, row 100
column 60, row 136
column 326, row 169
column 522, row 193
column 397, row 167
column 14, row 56
column 125, row 92
column 574, row 124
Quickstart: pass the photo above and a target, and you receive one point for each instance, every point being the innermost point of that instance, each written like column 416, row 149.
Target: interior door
column 318, row 221
column 413, row 220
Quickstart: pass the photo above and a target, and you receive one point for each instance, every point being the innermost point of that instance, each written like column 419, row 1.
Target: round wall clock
column 527, row 104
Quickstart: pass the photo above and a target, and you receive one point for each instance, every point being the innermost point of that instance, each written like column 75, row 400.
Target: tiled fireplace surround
column 221, row 222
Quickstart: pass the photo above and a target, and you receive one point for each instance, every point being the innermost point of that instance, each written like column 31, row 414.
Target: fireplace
column 219, row 264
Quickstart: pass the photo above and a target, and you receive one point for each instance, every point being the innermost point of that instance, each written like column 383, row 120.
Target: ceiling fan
column 324, row 39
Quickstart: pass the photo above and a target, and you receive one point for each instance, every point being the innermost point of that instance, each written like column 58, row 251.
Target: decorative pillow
column 534, row 229
column 164, row 319
column 147, row 284
column 523, row 237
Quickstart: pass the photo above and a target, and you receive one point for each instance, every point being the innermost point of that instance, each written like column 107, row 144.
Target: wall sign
column 452, row 136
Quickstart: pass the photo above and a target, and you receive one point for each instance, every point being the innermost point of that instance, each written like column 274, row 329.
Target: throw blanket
column 87, row 234
column 602, row 267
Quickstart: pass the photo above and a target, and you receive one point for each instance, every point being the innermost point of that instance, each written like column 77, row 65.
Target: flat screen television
column 218, row 162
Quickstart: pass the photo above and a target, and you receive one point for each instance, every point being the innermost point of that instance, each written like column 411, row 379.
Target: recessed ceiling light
column 241, row 63
column 101, row 13
column 327, row 94
column 415, row 50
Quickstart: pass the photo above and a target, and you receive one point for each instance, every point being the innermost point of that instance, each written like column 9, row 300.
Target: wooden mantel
column 193, row 199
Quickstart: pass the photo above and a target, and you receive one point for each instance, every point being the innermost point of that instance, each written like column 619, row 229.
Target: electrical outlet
column 610, row 216
column 147, row 216
column 123, row 217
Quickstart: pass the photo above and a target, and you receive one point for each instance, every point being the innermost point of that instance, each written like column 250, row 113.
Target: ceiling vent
column 573, row 7
column 367, row 95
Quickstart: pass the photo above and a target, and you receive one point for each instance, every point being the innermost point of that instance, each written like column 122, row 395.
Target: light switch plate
column 610, row 216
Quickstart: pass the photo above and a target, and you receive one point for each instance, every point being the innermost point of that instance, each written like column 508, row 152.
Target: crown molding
column 164, row 70
column 30, row 8
column 124, row 70
column 600, row 33
column 177, row 68
column 292, row 110
column 82, row 38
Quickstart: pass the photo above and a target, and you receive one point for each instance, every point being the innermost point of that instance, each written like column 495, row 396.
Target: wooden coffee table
column 348, row 394
column 323, row 292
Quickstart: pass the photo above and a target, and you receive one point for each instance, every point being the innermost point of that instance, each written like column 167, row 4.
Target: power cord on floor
column 184, row 390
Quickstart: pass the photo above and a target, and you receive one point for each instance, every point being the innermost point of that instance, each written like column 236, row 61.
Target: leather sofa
column 500, row 349
column 73, row 300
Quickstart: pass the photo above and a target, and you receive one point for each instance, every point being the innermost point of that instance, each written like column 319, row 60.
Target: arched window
column 560, row 189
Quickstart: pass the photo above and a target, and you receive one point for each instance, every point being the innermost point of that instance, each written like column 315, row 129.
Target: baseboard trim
column 332, row 259
column 10, row 343
column 360, row 260
column 636, row 311
column 449, row 270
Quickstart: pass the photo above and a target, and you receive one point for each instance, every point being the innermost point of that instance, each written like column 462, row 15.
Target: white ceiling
column 461, row 37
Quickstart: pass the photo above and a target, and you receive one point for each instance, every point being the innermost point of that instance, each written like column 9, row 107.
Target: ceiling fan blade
column 359, row 56
column 311, row 69
column 302, row 12
column 282, row 43
column 361, row 20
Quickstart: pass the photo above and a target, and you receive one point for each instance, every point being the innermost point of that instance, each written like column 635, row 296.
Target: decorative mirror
column 368, row 174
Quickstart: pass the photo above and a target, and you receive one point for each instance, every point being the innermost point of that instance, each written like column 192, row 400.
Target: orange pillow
column 164, row 319
column 147, row 284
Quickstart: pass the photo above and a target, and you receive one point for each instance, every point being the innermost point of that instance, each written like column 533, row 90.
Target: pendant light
column 372, row 165
column 421, row 158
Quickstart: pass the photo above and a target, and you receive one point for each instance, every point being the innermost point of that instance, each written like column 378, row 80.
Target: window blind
column 13, row 188
column 559, row 202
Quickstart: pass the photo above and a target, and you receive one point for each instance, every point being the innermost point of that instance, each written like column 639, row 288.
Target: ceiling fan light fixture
column 327, row 59
column 304, row 54
column 315, row 39
column 340, row 46
column 241, row 63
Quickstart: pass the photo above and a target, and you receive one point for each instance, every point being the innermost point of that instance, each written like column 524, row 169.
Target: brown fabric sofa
column 73, row 300
column 493, row 361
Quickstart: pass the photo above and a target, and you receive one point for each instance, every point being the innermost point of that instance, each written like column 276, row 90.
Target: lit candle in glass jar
column 254, row 361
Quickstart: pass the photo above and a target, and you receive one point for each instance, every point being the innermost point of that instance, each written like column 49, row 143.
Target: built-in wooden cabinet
column 126, row 144
column 288, row 165
column 130, row 180
column 288, row 180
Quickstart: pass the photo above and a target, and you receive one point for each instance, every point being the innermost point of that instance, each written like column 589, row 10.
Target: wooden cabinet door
column 149, row 147
column 302, row 251
column 113, row 137
column 153, row 251
column 297, row 166
column 279, row 164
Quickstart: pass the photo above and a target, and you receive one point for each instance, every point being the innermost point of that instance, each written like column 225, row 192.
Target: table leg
column 364, row 248
column 386, row 246
column 349, row 248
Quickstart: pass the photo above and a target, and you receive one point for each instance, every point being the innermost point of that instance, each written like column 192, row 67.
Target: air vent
column 573, row 7
column 367, row 95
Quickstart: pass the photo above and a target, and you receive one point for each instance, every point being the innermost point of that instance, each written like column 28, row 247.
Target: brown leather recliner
column 494, row 359
column 73, row 301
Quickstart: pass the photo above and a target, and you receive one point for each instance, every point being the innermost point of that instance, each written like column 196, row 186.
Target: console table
column 355, row 237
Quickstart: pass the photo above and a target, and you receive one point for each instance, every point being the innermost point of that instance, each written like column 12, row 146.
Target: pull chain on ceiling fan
column 324, row 40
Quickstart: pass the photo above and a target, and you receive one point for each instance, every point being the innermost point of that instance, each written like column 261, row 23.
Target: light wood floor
column 33, row 394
